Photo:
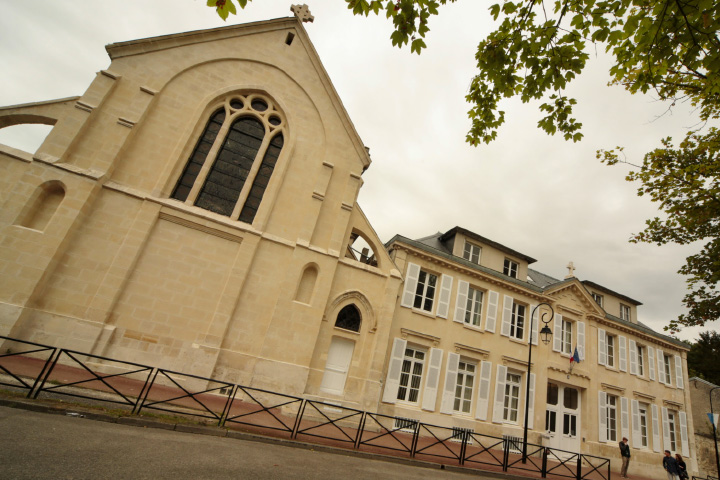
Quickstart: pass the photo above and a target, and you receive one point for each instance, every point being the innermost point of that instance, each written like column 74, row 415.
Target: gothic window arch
column 349, row 318
column 231, row 165
column 42, row 206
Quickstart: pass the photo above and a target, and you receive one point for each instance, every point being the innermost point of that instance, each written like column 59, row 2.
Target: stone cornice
column 478, row 351
column 406, row 332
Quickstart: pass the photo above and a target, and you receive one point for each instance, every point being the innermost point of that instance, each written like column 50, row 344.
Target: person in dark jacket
column 682, row 468
column 671, row 467
column 625, row 454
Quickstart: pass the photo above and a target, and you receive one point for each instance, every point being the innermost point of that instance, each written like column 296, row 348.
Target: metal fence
column 44, row 369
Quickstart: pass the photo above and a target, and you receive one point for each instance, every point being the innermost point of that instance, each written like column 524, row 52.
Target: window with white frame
column 472, row 252
column 640, row 361
column 464, row 386
column 672, row 423
column 624, row 312
column 610, row 349
column 566, row 337
column 667, row 369
column 425, row 291
column 643, row 409
column 512, row 397
column 411, row 375
column 510, row 268
column 517, row 321
column 612, row 416
column 473, row 309
column 598, row 298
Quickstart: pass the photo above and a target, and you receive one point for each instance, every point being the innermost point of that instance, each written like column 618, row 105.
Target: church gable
column 571, row 295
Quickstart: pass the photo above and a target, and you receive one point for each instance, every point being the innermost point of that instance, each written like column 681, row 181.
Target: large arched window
column 234, row 158
column 349, row 318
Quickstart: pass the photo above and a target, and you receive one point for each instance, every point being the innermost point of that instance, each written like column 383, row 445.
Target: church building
column 195, row 209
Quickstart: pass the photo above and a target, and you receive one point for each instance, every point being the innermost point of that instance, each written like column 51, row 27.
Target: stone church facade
column 195, row 209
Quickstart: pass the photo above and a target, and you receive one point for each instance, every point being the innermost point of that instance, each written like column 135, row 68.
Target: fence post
column 506, row 454
column 142, row 398
column 578, row 476
column 361, row 427
column 416, row 434
column 298, row 417
column 48, row 362
column 543, row 472
column 463, row 446
column 226, row 411
column 47, row 375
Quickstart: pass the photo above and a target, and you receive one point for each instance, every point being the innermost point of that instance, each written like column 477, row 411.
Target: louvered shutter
column 534, row 320
column 557, row 333
column 684, row 434
column 392, row 382
column 636, row 433
column 461, row 301
column 581, row 340
column 451, row 371
column 444, row 299
column 679, row 372
column 493, row 298
column 666, row 428
column 483, row 391
column 411, row 280
column 656, row 429
column 602, row 417
column 633, row 357
column 623, row 354
column 499, row 404
column 661, row 370
column 625, row 417
column 531, row 398
column 433, row 378
column 651, row 362
column 602, row 350
column 507, row 315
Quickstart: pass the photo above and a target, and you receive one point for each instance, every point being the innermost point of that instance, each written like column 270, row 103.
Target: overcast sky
column 540, row 195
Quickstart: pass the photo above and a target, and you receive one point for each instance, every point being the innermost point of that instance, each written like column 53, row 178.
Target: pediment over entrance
column 571, row 296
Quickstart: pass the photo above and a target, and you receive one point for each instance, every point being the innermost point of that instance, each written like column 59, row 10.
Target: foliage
column 669, row 48
column 704, row 357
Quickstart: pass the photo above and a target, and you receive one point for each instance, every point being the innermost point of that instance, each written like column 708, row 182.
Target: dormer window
column 510, row 268
column 625, row 312
column 472, row 252
column 598, row 298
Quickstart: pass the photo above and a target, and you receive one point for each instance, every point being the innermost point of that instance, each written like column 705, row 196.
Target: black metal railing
column 42, row 368
column 24, row 363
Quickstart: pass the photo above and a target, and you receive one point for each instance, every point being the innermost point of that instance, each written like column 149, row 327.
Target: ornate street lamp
column 545, row 336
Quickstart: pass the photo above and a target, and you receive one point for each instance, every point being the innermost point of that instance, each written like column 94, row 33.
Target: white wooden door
column 337, row 365
column 562, row 418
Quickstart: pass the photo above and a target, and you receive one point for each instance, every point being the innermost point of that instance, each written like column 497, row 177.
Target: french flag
column 575, row 358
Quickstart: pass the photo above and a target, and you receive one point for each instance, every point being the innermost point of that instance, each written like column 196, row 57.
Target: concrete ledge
column 202, row 430
column 145, row 422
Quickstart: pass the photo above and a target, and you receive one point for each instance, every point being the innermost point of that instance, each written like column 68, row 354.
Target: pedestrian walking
column 625, row 454
column 681, row 466
column 671, row 466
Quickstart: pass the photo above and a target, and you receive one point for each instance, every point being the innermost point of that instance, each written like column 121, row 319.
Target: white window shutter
column 451, row 370
column 411, row 280
column 507, row 315
column 636, row 433
column 666, row 428
column 493, row 298
column 534, row 319
column 581, row 340
column 499, row 404
column 433, row 378
column 633, row 357
column 651, row 362
column 392, row 382
column 557, row 333
column 461, row 301
column 444, row 300
column 602, row 416
column 625, row 417
column 483, row 391
column 623, row 354
column 679, row 372
column 656, row 429
column 602, row 350
column 531, row 398
column 661, row 370
column 684, row 434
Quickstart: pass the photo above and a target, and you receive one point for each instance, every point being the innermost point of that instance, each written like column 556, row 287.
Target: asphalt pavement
column 43, row 446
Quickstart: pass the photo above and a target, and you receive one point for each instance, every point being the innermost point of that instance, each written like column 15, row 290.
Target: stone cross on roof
column 571, row 270
column 302, row 12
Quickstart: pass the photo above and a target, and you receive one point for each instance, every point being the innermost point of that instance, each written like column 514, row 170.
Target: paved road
column 41, row 446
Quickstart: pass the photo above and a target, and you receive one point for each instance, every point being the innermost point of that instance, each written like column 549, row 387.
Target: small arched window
column 42, row 206
column 349, row 318
column 233, row 161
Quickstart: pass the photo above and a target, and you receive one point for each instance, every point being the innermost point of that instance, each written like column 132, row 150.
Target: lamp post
column 717, row 456
column 545, row 335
